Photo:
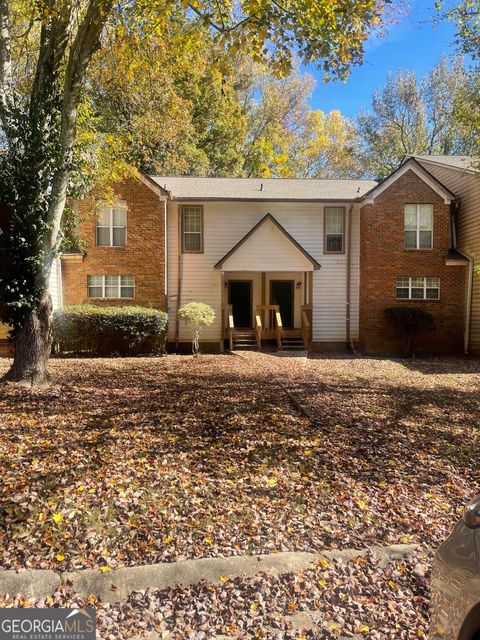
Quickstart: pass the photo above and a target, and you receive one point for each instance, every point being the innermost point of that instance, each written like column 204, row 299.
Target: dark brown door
column 240, row 297
column 281, row 293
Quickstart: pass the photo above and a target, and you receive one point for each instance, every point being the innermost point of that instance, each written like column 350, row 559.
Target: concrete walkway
column 116, row 585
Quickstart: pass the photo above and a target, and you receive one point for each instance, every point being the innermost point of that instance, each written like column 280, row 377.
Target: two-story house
column 288, row 260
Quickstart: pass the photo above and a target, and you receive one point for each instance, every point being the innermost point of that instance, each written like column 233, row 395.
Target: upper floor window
column 418, row 288
column 192, row 229
column 111, row 286
column 112, row 225
column 334, row 229
column 418, row 226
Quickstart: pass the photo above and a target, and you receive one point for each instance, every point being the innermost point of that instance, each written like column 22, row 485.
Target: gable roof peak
column 283, row 231
column 410, row 164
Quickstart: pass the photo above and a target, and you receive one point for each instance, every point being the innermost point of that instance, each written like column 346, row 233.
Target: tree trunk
column 32, row 345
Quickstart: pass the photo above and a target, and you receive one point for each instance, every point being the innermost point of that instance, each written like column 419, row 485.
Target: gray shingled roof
column 459, row 162
column 186, row 188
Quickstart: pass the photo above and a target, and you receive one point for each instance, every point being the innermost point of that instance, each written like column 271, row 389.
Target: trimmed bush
column 410, row 321
column 196, row 315
column 109, row 330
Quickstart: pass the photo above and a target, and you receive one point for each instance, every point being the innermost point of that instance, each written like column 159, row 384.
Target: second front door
column 281, row 293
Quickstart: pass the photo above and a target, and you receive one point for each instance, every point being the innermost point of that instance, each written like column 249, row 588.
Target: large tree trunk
column 32, row 345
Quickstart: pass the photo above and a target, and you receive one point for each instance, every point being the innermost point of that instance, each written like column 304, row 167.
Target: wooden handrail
column 278, row 328
column 231, row 327
column 266, row 313
column 305, row 328
column 307, row 308
column 258, row 331
column 273, row 307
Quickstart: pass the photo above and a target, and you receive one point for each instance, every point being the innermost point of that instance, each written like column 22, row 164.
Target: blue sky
column 413, row 43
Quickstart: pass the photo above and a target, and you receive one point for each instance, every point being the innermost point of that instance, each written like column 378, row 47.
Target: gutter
column 201, row 199
column 165, row 228
column 468, row 312
column 179, row 283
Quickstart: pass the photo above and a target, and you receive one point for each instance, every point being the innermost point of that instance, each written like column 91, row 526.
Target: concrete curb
column 116, row 585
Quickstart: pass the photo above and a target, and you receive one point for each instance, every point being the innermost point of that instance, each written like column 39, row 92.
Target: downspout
column 468, row 311
column 349, row 344
column 179, row 284
column 165, row 221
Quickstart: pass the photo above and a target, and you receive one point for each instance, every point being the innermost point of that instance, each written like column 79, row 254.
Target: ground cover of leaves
column 135, row 461
column 357, row 599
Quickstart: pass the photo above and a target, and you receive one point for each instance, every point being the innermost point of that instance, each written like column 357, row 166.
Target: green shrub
column 109, row 330
column 410, row 321
column 196, row 315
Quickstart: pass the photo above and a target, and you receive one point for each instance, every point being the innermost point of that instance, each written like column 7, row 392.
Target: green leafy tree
column 169, row 106
column 46, row 48
column 276, row 108
column 286, row 138
column 326, row 147
column 196, row 315
column 465, row 15
column 414, row 116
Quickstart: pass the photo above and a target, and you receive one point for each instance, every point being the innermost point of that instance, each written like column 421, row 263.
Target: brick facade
column 383, row 258
column 143, row 256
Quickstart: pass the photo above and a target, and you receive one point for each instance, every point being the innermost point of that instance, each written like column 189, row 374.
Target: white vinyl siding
column 225, row 224
column 111, row 287
column 418, row 226
column 112, row 225
column 415, row 288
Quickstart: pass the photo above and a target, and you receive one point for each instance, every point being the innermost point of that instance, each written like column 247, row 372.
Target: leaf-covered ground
column 328, row 601
column 135, row 461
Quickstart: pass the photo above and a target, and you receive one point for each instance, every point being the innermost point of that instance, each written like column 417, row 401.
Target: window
column 111, row 286
column 334, row 229
column 418, row 226
column 112, row 225
column 418, row 288
column 192, row 229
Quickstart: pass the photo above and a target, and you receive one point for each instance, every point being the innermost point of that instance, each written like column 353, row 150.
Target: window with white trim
column 418, row 226
column 414, row 288
column 334, row 229
column 111, row 286
column 112, row 225
column 192, row 229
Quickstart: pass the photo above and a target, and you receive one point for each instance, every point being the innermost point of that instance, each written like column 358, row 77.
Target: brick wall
column 143, row 256
column 383, row 258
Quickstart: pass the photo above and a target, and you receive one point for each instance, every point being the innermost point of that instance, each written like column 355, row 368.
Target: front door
column 281, row 293
column 240, row 297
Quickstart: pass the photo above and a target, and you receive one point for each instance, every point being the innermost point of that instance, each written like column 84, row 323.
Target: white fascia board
column 153, row 187
column 422, row 174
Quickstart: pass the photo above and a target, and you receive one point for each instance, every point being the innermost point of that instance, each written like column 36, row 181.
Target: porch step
column 244, row 340
column 292, row 343
column 245, row 346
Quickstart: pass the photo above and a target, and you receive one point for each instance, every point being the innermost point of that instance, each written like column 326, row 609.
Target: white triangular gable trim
column 156, row 188
column 423, row 174
column 267, row 247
